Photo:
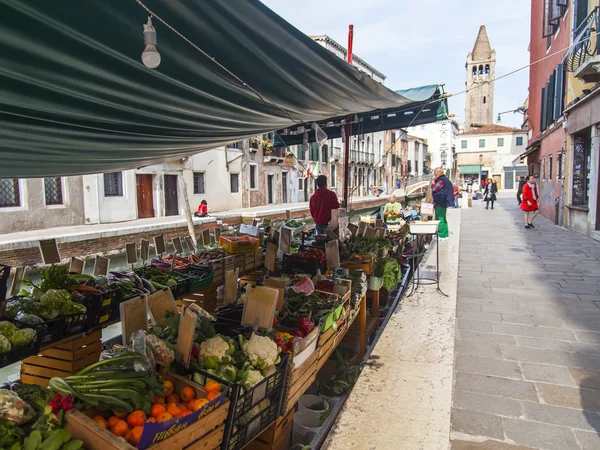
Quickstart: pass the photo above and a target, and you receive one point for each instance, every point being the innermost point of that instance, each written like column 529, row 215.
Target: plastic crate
column 181, row 288
column 291, row 264
column 49, row 331
column 103, row 300
column 75, row 323
column 238, row 437
column 199, row 276
column 248, row 244
column 20, row 352
column 97, row 317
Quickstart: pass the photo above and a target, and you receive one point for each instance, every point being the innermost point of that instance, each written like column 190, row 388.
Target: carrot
column 84, row 288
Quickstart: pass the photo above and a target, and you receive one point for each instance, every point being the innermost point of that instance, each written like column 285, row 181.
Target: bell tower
column 481, row 71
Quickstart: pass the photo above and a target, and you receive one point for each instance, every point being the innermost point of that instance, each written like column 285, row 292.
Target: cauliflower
column 216, row 350
column 253, row 377
column 261, row 351
column 255, row 411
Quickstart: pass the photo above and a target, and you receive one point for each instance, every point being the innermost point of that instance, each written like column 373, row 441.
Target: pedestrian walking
column 522, row 182
column 443, row 197
column 530, row 201
column 456, row 195
column 489, row 194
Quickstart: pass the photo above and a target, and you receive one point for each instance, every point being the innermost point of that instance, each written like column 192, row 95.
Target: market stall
column 221, row 347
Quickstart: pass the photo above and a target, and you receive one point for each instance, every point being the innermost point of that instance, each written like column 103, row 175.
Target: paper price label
column 77, row 265
column 101, row 266
column 145, row 250
column 178, row 245
column 17, row 281
column 159, row 244
column 131, row 251
column 206, row 237
column 49, row 251
column 190, row 243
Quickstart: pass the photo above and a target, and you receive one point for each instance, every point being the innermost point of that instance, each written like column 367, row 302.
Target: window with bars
column 9, row 192
column 53, row 191
column 234, row 179
column 113, row 184
column 199, row 183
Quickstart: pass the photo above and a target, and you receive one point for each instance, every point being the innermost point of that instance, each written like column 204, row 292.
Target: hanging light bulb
column 150, row 55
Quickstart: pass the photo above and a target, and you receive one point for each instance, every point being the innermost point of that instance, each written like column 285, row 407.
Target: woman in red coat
column 531, row 198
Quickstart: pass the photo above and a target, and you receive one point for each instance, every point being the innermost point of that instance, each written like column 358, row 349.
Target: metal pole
column 348, row 126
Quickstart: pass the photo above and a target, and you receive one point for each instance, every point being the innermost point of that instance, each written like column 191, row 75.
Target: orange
column 169, row 388
column 212, row 395
column 159, row 400
column 199, row 403
column 187, row 394
column 150, row 420
column 185, row 412
column 212, row 386
column 190, row 405
column 174, row 410
column 136, row 418
column 120, row 428
column 120, row 415
column 101, row 421
column 174, row 398
column 163, row 417
column 134, row 435
column 157, row 410
column 112, row 420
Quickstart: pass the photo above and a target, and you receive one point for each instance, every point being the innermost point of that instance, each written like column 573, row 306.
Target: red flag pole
column 348, row 126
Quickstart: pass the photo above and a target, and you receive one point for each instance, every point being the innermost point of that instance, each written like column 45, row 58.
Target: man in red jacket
column 321, row 204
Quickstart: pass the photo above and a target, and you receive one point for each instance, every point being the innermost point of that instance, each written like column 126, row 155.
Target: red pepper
column 299, row 333
column 306, row 325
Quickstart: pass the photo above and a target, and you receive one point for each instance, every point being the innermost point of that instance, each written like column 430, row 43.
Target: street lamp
column 520, row 109
column 150, row 56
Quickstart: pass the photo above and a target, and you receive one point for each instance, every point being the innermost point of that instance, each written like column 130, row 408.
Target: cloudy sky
column 417, row 42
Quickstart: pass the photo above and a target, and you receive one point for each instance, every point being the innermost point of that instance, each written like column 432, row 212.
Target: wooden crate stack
column 62, row 359
column 277, row 436
column 219, row 267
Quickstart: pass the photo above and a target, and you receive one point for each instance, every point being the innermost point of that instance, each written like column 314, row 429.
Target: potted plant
column 267, row 147
column 254, row 143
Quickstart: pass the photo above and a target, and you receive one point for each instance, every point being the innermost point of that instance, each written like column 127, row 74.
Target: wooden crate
column 63, row 359
column 300, row 379
column 277, row 436
column 204, row 434
column 327, row 342
column 206, row 298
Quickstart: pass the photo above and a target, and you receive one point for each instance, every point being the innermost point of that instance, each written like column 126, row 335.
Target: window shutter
column 543, row 115
column 550, row 101
column 559, row 92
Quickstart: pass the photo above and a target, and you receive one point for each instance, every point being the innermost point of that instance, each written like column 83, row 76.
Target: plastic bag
column 162, row 353
column 14, row 409
column 30, row 319
column 138, row 345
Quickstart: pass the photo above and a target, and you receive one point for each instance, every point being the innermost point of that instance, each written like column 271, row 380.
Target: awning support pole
column 348, row 126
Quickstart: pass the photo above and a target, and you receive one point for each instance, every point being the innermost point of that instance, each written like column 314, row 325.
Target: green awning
column 75, row 97
column 474, row 169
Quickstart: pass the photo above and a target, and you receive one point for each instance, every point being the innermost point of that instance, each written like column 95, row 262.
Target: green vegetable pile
column 50, row 440
column 11, row 336
column 301, row 305
column 159, row 279
column 390, row 271
column 360, row 245
column 112, row 385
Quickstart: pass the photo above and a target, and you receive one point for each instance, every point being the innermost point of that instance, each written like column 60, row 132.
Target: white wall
column 440, row 136
column 118, row 209
column 218, row 193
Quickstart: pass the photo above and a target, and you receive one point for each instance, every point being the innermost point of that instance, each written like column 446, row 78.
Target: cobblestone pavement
column 527, row 354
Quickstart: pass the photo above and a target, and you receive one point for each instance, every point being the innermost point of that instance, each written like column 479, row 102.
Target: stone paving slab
column 527, row 350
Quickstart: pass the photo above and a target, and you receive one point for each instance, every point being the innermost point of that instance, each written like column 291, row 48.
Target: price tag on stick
column 271, row 256
column 101, row 266
column 285, row 240
column 259, row 308
column 159, row 245
column 17, row 280
column 190, row 244
column 178, row 245
column 362, row 226
column 145, row 250
column 353, row 228
column 77, row 265
column 131, row 251
column 49, row 251
column 332, row 252
column 185, row 338
column 206, row 237
column 217, row 235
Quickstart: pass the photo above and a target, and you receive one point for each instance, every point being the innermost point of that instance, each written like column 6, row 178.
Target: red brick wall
column 31, row 256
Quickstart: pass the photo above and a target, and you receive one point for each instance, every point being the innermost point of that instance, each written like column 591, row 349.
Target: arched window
column 480, row 70
column 474, row 71
column 484, row 99
column 487, row 69
column 368, row 144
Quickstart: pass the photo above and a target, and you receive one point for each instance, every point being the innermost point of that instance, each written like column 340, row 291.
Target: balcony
column 274, row 154
column 583, row 59
column 354, row 155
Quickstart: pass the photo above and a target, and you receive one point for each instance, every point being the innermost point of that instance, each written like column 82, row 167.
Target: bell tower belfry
column 481, row 70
